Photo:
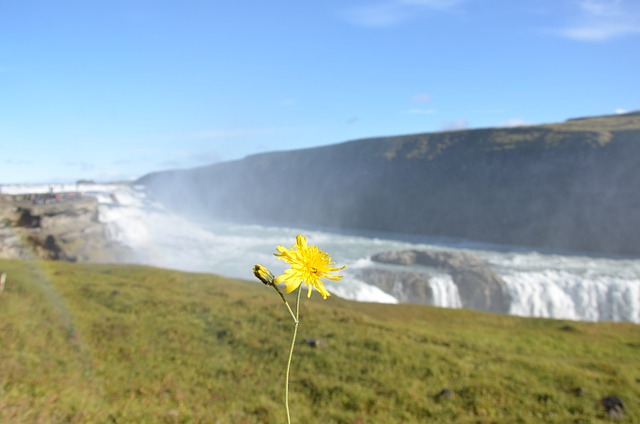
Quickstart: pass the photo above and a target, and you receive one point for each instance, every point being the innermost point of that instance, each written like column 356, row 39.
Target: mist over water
column 541, row 285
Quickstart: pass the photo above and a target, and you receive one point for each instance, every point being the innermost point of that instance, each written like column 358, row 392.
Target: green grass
column 130, row 344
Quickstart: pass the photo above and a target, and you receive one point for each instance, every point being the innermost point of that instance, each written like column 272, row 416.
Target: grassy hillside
column 103, row 343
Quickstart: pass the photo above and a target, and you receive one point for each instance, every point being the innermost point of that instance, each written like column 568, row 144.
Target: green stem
column 285, row 302
column 293, row 342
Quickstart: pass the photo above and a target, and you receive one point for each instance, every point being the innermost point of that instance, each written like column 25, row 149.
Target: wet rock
column 444, row 394
column 613, row 405
column 26, row 219
column 430, row 258
column 315, row 343
column 48, row 248
column 479, row 287
column 409, row 287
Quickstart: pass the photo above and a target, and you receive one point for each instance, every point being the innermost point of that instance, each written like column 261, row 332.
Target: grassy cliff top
column 123, row 344
column 620, row 122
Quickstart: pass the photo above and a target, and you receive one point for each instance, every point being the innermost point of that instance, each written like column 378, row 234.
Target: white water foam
column 577, row 296
column 445, row 291
column 541, row 285
column 358, row 290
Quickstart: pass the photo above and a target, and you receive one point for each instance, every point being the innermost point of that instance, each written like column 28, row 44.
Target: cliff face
column 55, row 228
column 574, row 185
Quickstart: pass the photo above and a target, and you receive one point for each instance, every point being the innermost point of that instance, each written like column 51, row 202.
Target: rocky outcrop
column 479, row 287
column 57, row 228
column 406, row 287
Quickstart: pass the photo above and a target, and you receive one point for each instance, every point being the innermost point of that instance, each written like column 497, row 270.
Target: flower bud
column 263, row 274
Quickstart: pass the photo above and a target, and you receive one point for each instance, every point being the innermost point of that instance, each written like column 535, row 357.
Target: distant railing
column 45, row 198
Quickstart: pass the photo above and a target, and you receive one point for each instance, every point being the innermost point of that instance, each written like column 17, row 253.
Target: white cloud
column 186, row 159
column 392, row 12
column 84, row 166
column 600, row 20
column 456, row 124
column 234, row 133
column 421, row 98
column 601, row 7
column 599, row 32
column 18, row 162
column 620, row 111
column 419, row 111
column 432, row 4
column 170, row 164
column 208, row 134
column 208, row 156
column 377, row 15
column 514, row 122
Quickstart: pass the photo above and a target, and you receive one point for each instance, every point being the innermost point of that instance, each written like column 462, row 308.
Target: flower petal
column 301, row 241
column 291, row 285
column 308, row 265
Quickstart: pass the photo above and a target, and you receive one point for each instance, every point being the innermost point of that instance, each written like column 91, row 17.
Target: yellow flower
column 263, row 274
column 308, row 264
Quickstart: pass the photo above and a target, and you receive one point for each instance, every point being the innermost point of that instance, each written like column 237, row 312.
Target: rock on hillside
column 66, row 228
column 574, row 185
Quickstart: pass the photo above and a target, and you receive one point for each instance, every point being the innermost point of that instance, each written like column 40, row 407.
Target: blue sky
column 115, row 89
